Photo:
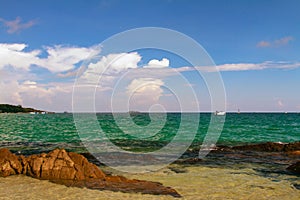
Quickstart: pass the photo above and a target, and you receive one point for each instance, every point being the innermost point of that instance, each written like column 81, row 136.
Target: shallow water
column 194, row 183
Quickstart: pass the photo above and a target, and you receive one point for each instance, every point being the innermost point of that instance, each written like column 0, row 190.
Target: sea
column 219, row 175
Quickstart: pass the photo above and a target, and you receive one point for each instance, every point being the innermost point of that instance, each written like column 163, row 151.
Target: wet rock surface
column 294, row 168
column 276, row 157
column 270, row 147
column 72, row 169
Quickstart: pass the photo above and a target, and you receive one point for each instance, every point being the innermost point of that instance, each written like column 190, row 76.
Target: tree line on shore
column 7, row 108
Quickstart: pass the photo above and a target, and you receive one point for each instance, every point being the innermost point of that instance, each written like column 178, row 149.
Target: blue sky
column 242, row 37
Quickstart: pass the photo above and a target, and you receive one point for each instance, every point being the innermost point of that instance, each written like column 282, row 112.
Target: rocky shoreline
column 281, row 154
column 74, row 170
column 268, row 147
column 287, row 150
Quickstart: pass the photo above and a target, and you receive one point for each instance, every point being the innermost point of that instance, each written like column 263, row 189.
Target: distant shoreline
column 8, row 108
column 18, row 109
column 175, row 112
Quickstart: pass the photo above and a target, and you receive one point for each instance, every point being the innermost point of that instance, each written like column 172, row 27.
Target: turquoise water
column 35, row 133
column 232, row 174
column 261, row 127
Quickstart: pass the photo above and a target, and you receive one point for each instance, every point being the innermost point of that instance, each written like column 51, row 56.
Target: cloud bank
column 23, row 84
column 251, row 66
column 59, row 58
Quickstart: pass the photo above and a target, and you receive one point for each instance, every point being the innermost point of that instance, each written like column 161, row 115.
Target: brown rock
column 295, row 153
column 73, row 169
column 122, row 185
column 9, row 163
column 84, row 168
column 59, row 164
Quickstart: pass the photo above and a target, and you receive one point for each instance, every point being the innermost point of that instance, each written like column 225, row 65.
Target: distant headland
column 7, row 108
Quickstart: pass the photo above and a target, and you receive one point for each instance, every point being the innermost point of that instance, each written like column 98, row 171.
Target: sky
column 46, row 46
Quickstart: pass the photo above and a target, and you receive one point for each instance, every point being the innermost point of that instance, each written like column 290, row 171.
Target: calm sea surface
column 36, row 133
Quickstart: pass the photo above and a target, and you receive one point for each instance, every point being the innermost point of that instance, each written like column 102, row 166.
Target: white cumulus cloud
column 59, row 59
column 13, row 55
column 109, row 67
column 158, row 63
column 30, row 84
column 62, row 58
column 115, row 63
column 145, row 90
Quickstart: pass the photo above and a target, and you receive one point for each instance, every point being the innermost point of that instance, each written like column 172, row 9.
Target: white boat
column 219, row 113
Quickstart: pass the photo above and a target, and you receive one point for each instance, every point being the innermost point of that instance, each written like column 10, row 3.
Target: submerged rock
column 189, row 161
column 295, row 168
column 270, row 147
column 72, row 169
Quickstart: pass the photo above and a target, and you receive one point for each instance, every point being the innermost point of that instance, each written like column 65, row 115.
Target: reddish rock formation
column 59, row 164
column 9, row 163
column 72, row 169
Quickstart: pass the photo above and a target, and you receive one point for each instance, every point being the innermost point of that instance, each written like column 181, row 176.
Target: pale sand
column 196, row 183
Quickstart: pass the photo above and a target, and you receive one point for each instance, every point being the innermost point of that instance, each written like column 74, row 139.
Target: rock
column 178, row 169
column 84, row 168
column 9, row 163
column 122, row 184
column 295, row 168
column 292, row 147
column 270, row 147
column 72, row 169
column 189, row 161
column 59, row 164
column 294, row 154
column 296, row 186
